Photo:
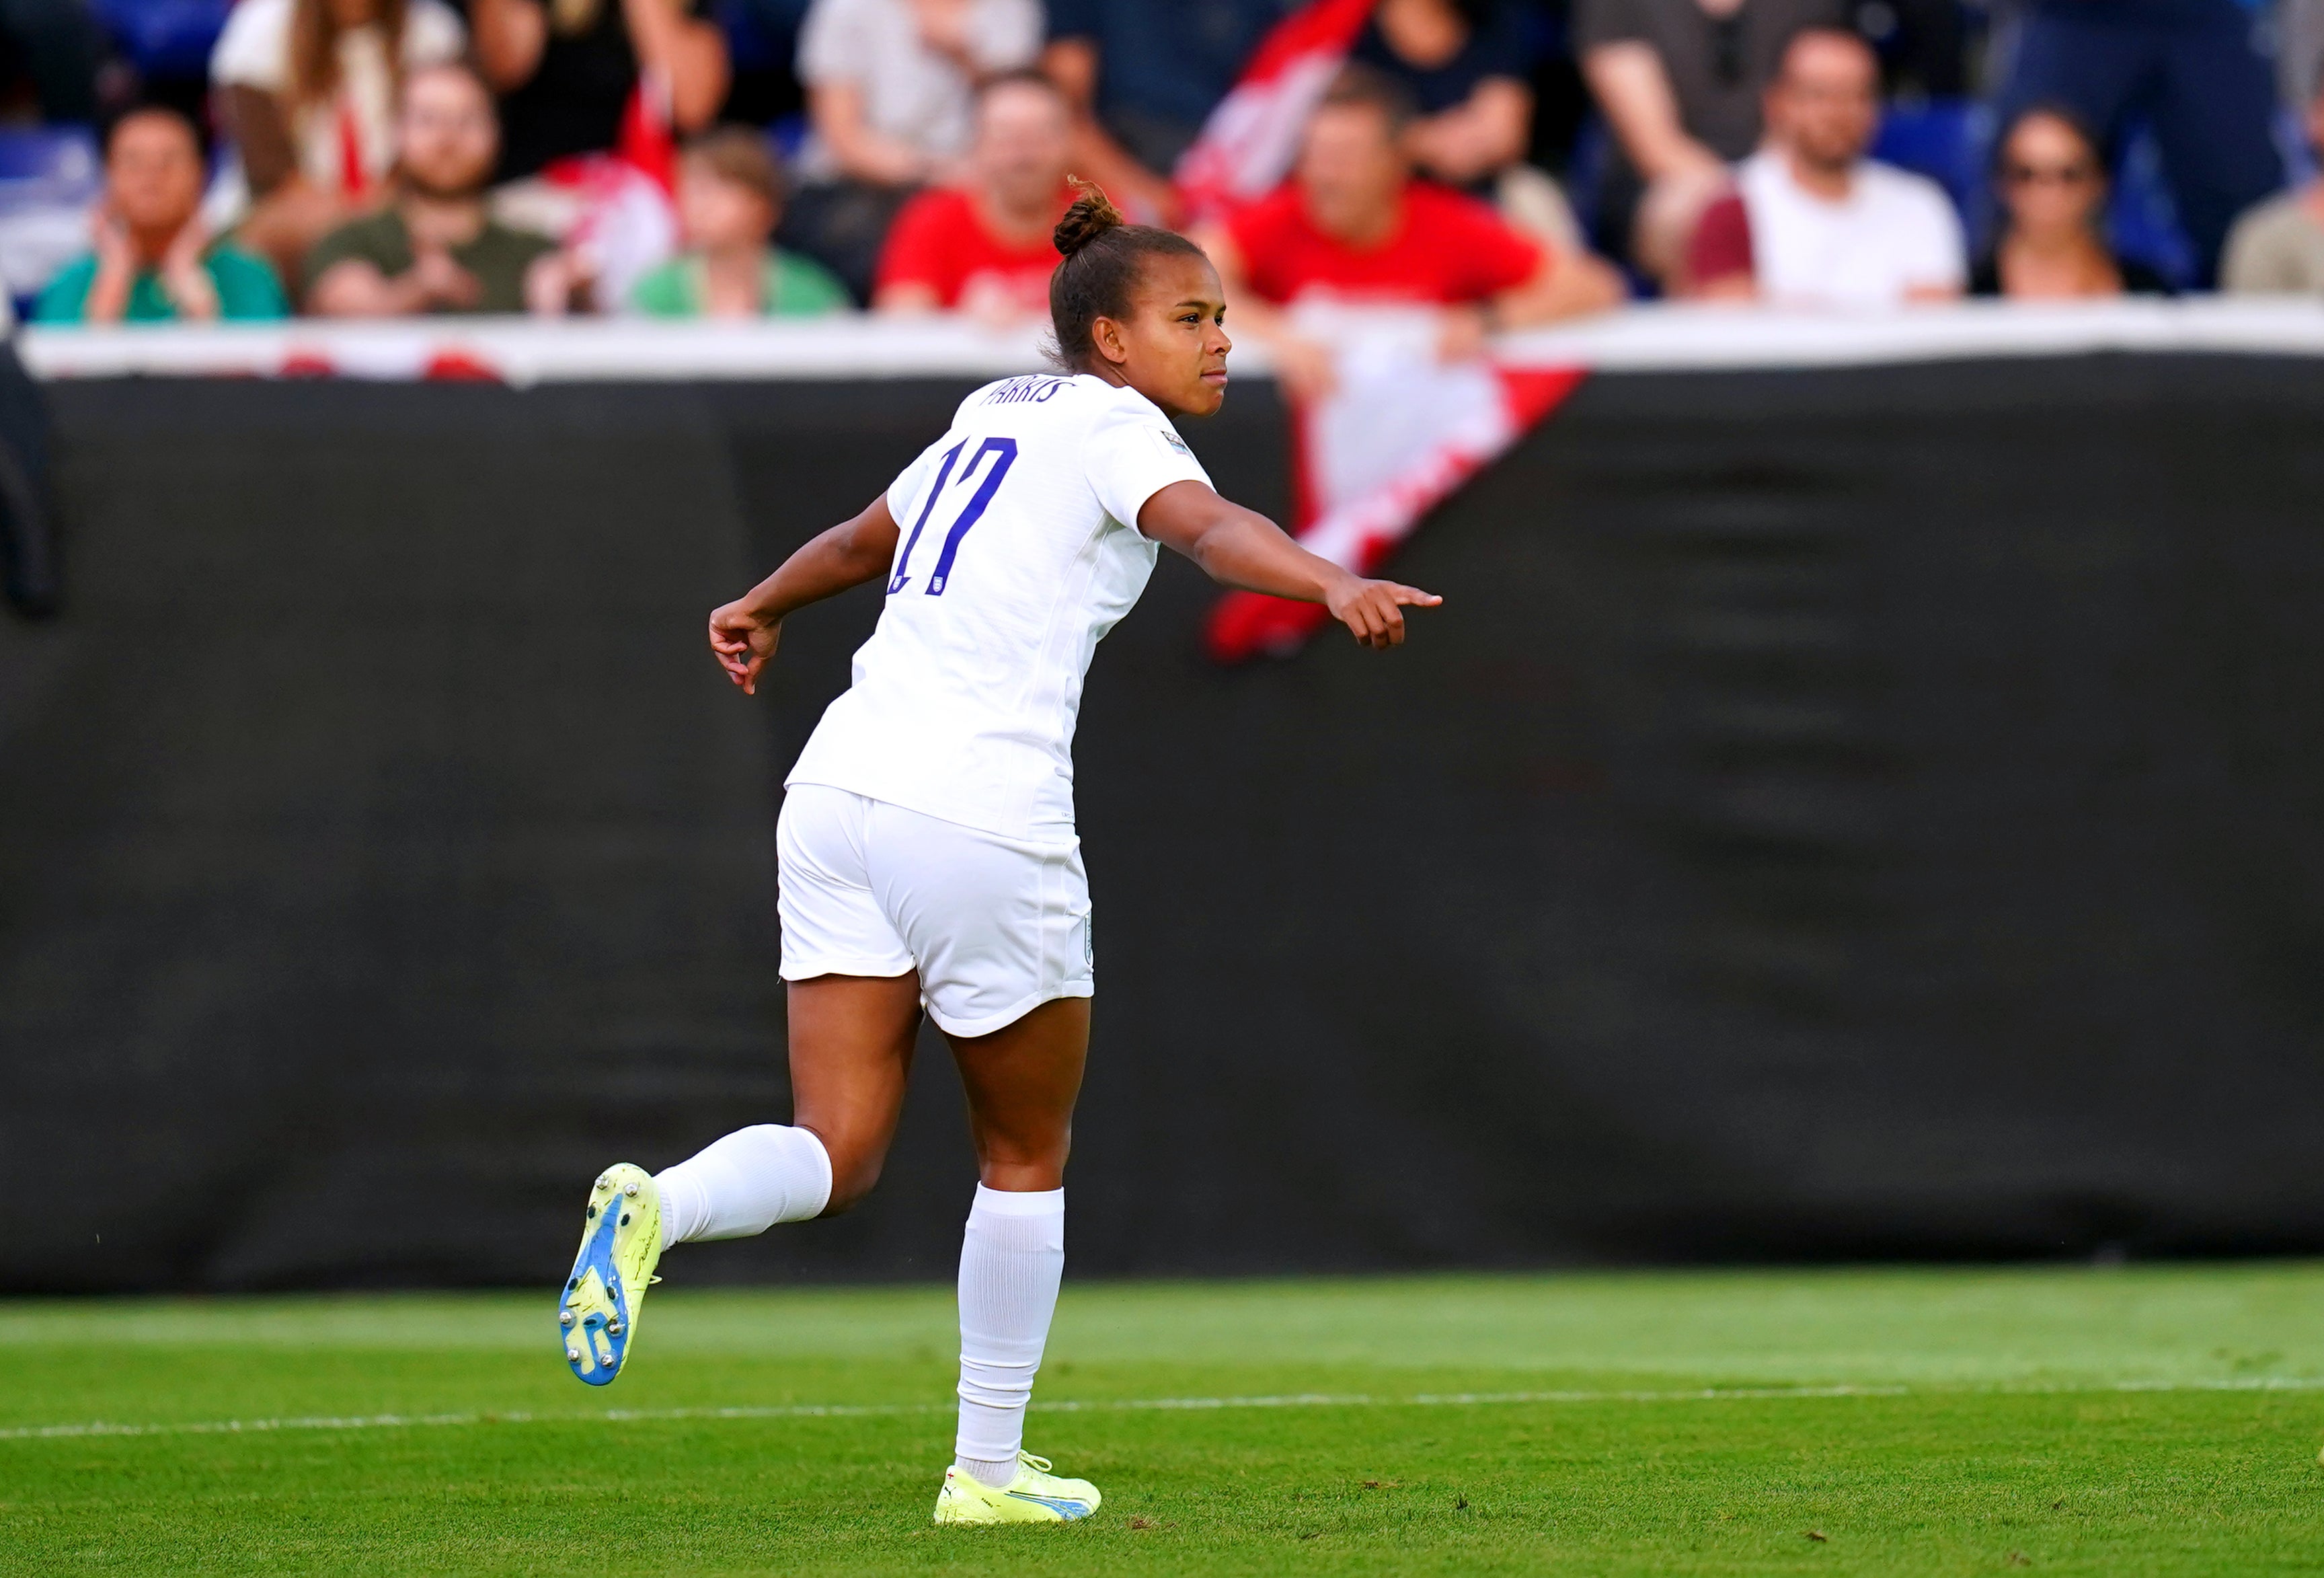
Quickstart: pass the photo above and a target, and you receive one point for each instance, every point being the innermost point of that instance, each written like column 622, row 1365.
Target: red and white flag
column 1403, row 430
column 1399, row 435
column 1250, row 140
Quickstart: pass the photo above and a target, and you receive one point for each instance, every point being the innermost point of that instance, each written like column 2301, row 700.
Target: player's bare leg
column 851, row 1040
column 1021, row 1083
column 851, row 1044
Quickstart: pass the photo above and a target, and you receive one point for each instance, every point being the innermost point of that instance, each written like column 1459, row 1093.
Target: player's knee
column 851, row 1179
column 1022, row 1176
column 1031, row 1158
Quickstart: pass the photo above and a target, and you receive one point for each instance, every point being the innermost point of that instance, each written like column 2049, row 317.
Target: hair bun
column 1093, row 213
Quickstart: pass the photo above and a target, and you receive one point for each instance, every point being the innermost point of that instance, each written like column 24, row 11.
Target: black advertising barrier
column 1868, row 812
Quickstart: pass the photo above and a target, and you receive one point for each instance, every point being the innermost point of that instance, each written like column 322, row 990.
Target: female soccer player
column 927, row 846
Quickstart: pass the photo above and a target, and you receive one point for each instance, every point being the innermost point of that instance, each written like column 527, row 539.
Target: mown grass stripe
column 1133, row 1405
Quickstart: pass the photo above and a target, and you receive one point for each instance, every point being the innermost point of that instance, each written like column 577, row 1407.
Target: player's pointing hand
column 743, row 638
column 1373, row 611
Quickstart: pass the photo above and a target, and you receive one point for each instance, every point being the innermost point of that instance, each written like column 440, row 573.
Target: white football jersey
column 1018, row 551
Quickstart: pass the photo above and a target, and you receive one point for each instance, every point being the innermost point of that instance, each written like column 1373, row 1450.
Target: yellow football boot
column 597, row 1313
column 1035, row 1496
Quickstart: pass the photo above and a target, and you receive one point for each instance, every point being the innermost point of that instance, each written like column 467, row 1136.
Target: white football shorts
column 995, row 927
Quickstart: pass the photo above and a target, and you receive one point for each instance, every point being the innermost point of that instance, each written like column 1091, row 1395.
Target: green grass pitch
column 2135, row 1420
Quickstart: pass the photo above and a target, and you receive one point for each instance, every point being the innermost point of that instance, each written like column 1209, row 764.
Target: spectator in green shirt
column 155, row 261
column 730, row 196
column 435, row 247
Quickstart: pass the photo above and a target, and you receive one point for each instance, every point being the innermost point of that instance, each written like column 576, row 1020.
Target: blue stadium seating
column 55, row 158
column 1946, row 141
column 751, row 44
column 165, row 38
column 2141, row 217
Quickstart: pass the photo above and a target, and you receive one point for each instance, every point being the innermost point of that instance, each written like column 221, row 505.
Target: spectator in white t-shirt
column 308, row 89
column 890, row 87
column 1811, row 221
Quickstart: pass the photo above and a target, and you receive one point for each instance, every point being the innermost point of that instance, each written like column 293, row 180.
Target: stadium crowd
column 1505, row 162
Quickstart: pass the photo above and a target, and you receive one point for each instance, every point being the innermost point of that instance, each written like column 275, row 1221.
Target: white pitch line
column 1140, row 1405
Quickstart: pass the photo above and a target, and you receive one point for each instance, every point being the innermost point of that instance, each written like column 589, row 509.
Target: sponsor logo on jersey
column 1175, row 442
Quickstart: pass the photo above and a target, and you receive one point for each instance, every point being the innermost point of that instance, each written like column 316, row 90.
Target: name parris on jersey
column 1032, row 386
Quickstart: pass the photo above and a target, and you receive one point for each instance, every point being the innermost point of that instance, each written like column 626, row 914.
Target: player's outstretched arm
column 744, row 632
column 1242, row 548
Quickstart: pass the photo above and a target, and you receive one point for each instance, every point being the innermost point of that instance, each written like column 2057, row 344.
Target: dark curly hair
column 1104, row 254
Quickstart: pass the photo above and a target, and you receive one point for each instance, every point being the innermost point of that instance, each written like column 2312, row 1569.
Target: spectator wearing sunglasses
column 2052, row 187
column 2191, row 70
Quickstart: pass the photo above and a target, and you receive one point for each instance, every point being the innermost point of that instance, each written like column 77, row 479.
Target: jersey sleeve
column 1262, row 234
column 835, row 43
column 1493, row 255
column 918, row 251
column 1132, row 457
column 1937, row 252
column 252, row 50
column 1005, row 34
column 1720, row 247
column 1607, row 22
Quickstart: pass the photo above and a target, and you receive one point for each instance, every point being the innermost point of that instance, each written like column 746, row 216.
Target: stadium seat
column 55, row 158
column 1946, row 139
column 751, row 44
column 165, row 38
column 2142, row 218
column 787, row 135
column 48, row 177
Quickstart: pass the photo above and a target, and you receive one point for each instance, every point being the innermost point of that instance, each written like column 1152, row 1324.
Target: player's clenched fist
column 744, row 638
column 1373, row 611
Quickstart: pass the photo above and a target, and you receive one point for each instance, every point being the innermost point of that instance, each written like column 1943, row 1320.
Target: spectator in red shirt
column 985, row 248
column 1354, row 227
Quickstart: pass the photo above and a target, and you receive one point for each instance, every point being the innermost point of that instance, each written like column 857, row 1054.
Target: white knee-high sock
column 744, row 1184
column 1011, row 1261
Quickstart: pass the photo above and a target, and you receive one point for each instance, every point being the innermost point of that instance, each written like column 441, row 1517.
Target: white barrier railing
column 1652, row 338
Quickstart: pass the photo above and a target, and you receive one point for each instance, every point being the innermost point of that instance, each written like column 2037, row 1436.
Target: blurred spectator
column 1354, row 227
column 2278, row 247
column 2299, row 50
column 1683, row 84
column 890, row 82
column 2188, row 68
column 570, row 71
column 985, row 248
column 435, row 248
column 306, row 89
column 154, row 260
column 729, row 197
column 2052, row 187
column 1812, row 221
column 890, row 88
column 1142, row 77
column 1466, row 66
